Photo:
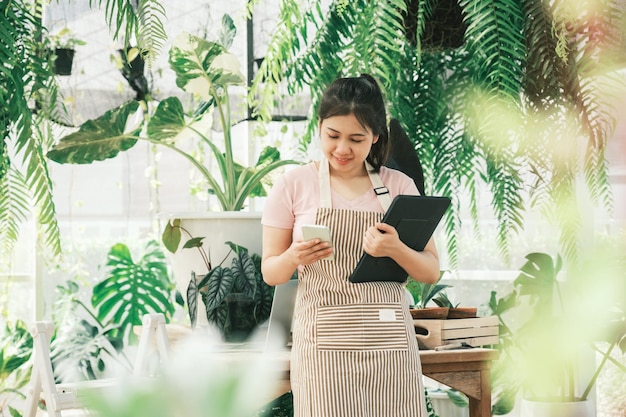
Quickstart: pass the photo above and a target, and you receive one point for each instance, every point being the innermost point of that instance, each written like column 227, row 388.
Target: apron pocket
column 361, row 327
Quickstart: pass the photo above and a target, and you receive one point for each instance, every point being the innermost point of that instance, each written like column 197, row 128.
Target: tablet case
column 415, row 218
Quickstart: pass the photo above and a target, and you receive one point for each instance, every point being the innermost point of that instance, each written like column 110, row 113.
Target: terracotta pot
column 430, row 313
column 462, row 312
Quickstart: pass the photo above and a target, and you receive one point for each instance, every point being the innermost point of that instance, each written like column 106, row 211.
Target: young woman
column 354, row 347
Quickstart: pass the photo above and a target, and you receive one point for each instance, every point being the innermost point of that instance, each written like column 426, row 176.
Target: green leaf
column 244, row 272
column 201, row 66
column 458, row 398
column 171, row 235
column 192, row 300
column 194, row 242
column 219, row 282
column 228, row 32
column 100, row 139
column 132, row 290
column 167, row 121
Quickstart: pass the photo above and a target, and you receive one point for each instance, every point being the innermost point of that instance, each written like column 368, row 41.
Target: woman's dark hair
column 362, row 97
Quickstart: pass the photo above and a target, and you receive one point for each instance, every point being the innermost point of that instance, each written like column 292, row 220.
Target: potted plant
column 425, row 294
column 205, row 70
column 236, row 299
column 131, row 63
column 63, row 46
column 543, row 334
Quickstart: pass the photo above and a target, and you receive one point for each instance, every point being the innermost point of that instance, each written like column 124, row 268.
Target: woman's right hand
column 282, row 255
column 308, row 252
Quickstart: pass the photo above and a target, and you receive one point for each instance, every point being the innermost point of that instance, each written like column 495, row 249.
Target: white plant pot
column 557, row 409
column 444, row 407
column 240, row 227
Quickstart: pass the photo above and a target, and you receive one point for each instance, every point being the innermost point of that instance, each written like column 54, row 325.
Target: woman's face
column 345, row 143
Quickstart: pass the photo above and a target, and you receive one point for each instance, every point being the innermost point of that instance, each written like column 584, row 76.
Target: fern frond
column 544, row 63
column 120, row 16
column 567, row 212
column 41, row 187
column 282, row 48
column 140, row 21
column 26, row 77
column 150, row 31
column 15, row 206
column 494, row 35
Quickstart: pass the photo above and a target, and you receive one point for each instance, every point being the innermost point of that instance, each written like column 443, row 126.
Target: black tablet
column 415, row 218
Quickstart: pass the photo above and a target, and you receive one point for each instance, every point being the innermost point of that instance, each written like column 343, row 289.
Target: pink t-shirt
column 295, row 197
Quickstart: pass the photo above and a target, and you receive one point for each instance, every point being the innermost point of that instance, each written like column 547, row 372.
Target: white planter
column 444, row 407
column 557, row 409
column 240, row 227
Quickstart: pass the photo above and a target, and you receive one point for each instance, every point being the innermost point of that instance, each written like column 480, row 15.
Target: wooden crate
column 477, row 331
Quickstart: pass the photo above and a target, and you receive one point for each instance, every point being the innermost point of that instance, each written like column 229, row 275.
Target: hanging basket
column 64, row 58
column 133, row 72
column 133, row 68
column 444, row 29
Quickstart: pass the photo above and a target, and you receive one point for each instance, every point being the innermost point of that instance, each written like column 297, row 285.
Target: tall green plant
column 203, row 69
column 28, row 92
column 523, row 104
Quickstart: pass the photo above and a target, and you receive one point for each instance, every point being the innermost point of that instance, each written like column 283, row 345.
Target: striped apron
column 354, row 347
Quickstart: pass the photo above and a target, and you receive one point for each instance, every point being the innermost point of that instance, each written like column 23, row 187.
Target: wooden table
column 466, row 370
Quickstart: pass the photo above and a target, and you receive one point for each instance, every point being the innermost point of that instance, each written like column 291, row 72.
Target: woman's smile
column 342, row 161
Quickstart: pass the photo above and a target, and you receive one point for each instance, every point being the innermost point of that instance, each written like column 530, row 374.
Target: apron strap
column 382, row 192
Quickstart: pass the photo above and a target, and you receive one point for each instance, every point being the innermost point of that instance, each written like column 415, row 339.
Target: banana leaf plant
column 203, row 69
column 236, row 299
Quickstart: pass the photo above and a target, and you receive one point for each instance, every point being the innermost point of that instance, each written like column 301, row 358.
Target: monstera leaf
column 133, row 289
column 538, row 280
column 103, row 138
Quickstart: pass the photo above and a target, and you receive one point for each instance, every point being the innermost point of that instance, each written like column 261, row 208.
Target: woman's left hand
column 381, row 240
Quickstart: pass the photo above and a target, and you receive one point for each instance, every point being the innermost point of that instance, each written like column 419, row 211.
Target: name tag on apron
column 386, row 315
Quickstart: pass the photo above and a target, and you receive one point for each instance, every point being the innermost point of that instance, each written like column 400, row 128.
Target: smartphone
column 321, row 232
